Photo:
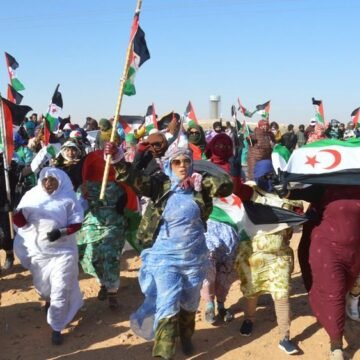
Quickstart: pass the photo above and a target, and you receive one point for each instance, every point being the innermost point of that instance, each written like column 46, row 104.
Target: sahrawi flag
column 244, row 111
column 12, row 65
column 280, row 157
column 13, row 115
column 139, row 54
column 190, row 114
column 14, row 96
column 319, row 111
column 326, row 161
column 54, row 112
column 150, row 121
column 263, row 109
column 250, row 219
column 355, row 116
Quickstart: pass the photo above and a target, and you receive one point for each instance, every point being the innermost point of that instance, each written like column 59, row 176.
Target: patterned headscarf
column 172, row 154
column 317, row 134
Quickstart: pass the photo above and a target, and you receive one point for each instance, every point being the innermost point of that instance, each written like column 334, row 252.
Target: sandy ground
column 99, row 333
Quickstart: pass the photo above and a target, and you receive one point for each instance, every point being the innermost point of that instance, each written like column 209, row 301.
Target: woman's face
column 70, row 153
column 180, row 167
column 50, row 184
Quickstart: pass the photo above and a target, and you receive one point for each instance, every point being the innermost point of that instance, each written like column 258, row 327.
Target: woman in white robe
column 47, row 217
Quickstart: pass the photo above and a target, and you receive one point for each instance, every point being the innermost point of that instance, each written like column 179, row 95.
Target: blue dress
column 172, row 270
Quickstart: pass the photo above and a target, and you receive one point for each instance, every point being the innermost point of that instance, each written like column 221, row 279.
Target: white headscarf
column 65, row 187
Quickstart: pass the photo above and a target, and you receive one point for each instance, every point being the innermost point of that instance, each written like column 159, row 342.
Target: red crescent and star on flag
column 312, row 161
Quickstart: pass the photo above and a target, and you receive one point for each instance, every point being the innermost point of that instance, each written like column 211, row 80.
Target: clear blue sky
column 286, row 51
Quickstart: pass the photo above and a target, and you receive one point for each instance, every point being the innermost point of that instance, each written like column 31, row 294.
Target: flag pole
column 118, row 106
column 6, row 166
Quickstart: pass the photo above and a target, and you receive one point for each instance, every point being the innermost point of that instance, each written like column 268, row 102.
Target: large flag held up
column 140, row 54
column 55, row 109
column 355, row 116
column 12, row 65
column 326, row 161
column 14, row 96
column 319, row 111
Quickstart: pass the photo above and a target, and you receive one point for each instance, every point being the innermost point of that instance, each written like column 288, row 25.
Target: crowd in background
column 156, row 193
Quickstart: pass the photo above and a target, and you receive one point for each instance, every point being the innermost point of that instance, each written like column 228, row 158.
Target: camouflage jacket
column 157, row 188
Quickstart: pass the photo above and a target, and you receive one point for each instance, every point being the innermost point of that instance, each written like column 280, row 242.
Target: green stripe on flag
column 354, row 142
column 220, row 215
column 129, row 87
column 17, row 85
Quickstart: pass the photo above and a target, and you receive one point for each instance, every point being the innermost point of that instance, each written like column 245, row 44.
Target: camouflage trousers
column 168, row 329
column 102, row 260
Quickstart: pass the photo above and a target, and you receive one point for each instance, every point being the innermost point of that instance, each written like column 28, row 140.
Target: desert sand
column 99, row 333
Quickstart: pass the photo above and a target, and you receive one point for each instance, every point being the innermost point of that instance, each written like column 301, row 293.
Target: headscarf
column 262, row 168
column 169, row 156
column 317, row 134
column 65, row 186
column 220, row 150
column 262, row 124
column 197, row 139
column 69, row 144
column 160, row 140
column 217, row 124
column 104, row 124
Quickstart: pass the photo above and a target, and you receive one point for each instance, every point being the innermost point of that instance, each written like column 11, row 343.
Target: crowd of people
column 159, row 197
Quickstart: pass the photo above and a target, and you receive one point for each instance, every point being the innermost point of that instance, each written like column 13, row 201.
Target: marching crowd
column 159, row 197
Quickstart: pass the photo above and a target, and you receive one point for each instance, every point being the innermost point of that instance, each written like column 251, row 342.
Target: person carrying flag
column 174, row 268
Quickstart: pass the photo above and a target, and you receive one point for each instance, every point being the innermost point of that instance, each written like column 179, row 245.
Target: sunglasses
column 156, row 145
column 194, row 132
column 178, row 162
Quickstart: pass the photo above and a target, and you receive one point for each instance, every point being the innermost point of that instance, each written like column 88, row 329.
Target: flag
column 245, row 128
column 139, row 54
column 14, row 96
column 190, row 114
column 319, row 111
column 55, row 108
column 263, row 109
column 244, row 111
column 150, row 121
column 125, row 125
column 250, row 219
column 13, row 115
column 280, row 157
column 327, row 161
column 12, row 65
column 17, row 112
column 355, row 116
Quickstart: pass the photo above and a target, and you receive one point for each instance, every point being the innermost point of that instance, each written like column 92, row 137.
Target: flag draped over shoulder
column 190, row 114
column 12, row 65
column 14, row 96
column 54, row 112
column 263, row 109
column 139, row 54
column 250, row 219
column 319, row 111
column 13, row 115
column 355, row 116
column 326, row 161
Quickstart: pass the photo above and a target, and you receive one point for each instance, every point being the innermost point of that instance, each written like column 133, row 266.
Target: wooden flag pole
column 118, row 106
column 6, row 165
